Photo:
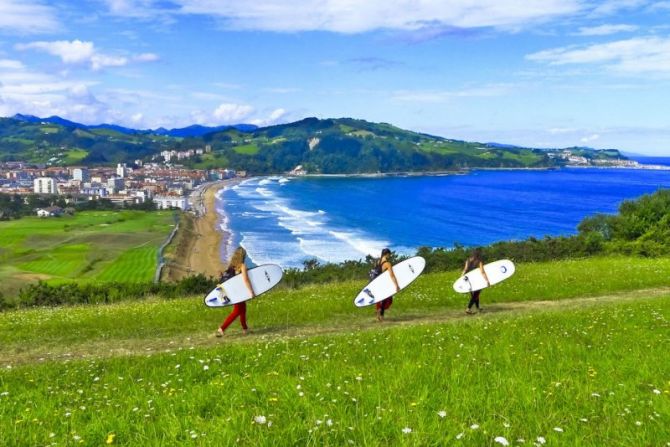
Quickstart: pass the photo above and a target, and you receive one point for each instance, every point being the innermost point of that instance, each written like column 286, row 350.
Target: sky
column 538, row 73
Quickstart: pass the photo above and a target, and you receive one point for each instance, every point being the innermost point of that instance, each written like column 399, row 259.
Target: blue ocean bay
column 287, row 220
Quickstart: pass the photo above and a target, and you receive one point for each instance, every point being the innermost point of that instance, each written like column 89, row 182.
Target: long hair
column 239, row 255
column 476, row 256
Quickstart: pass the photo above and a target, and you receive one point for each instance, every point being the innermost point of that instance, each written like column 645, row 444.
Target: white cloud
column 643, row 55
column 276, row 116
column 613, row 6
column 11, row 64
column 70, row 52
column 22, row 17
column 351, row 16
column 79, row 52
column 590, row 138
column 438, row 96
column 229, row 113
column 604, row 30
column 146, row 57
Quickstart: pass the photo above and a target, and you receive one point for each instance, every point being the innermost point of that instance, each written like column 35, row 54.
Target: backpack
column 375, row 272
column 229, row 273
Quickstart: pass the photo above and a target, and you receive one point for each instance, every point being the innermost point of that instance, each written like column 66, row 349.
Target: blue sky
column 549, row 73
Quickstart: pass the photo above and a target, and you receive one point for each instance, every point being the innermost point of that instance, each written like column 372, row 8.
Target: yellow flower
column 110, row 438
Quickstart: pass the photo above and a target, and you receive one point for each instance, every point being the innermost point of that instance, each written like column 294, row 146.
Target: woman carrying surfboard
column 235, row 267
column 383, row 265
column 475, row 261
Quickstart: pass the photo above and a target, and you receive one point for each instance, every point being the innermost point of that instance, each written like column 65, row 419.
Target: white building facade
column 164, row 202
column 45, row 185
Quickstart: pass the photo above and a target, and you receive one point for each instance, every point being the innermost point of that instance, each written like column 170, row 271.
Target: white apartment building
column 164, row 202
column 45, row 185
column 80, row 174
column 121, row 170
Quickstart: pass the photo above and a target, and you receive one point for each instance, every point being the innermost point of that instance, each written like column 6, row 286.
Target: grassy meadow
column 91, row 245
column 565, row 353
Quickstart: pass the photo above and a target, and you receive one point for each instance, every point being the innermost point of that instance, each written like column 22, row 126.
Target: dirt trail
column 128, row 347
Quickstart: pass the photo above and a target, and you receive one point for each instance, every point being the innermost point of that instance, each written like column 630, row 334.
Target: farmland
column 89, row 246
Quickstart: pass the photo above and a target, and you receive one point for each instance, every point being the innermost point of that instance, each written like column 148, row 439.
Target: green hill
column 328, row 146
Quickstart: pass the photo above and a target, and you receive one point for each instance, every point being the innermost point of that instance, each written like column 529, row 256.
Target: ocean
column 288, row 220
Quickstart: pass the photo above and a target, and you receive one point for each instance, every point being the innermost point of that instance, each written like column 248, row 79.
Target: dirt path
column 98, row 349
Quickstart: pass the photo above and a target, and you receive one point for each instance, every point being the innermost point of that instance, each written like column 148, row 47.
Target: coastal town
column 168, row 186
column 162, row 181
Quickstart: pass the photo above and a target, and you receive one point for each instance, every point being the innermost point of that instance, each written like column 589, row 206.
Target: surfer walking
column 383, row 265
column 475, row 261
column 237, row 266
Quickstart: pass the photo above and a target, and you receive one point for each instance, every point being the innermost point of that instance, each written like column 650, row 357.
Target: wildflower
column 541, row 440
column 558, row 429
column 442, row 413
column 500, row 440
column 260, row 420
column 595, row 395
column 657, row 391
column 638, row 423
column 205, row 368
column 407, row 430
column 110, row 438
column 329, row 422
column 459, row 436
column 474, row 426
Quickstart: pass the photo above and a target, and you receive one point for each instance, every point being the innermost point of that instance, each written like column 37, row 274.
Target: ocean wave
column 360, row 243
column 265, row 248
column 264, row 192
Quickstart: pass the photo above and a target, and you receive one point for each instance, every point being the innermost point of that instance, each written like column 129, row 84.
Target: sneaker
column 469, row 311
column 219, row 333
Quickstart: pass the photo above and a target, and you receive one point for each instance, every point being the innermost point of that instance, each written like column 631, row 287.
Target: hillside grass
column 246, row 149
column 89, row 246
column 587, row 372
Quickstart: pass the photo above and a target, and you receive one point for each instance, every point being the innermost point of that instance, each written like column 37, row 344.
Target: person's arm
column 465, row 268
column 245, row 277
column 387, row 266
column 481, row 267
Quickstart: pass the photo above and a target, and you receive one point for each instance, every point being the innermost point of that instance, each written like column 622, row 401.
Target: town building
column 45, row 185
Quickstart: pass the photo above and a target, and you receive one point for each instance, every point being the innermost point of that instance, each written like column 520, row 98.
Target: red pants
column 239, row 309
column 384, row 304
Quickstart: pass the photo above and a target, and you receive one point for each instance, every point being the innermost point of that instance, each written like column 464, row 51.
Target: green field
column 246, row 149
column 92, row 245
column 566, row 353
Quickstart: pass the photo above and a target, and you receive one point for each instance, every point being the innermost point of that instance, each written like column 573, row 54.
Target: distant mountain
column 502, row 146
column 328, row 146
column 197, row 130
column 194, row 130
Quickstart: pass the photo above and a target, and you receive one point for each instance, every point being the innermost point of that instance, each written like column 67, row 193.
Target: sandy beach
column 197, row 245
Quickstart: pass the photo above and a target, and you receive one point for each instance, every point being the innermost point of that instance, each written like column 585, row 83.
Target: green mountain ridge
column 327, row 146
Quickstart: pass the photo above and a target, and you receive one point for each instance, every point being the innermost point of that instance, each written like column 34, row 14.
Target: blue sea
column 288, row 220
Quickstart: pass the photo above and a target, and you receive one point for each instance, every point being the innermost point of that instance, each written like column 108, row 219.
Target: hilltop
column 328, row 146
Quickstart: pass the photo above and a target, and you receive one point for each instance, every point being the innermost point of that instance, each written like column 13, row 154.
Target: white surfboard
column 474, row 280
column 262, row 278
column 382, row 286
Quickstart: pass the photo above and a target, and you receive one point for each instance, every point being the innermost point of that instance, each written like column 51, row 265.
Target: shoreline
column 199, row 241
